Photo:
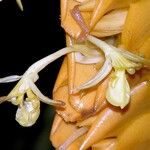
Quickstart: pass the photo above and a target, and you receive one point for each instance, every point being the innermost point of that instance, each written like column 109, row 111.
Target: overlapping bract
column 108, row 126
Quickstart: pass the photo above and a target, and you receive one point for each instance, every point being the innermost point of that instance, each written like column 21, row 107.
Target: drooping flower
column 27, row 95
column 121, row 61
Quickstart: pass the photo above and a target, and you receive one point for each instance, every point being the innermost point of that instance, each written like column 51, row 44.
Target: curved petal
column 8, row 79
column 42, row 97
column 105, row 70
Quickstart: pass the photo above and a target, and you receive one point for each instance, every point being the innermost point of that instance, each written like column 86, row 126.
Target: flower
column 118, row 93
column 27, row 95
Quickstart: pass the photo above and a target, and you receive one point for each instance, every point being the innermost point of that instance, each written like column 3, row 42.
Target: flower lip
column 27, row 115
column 118, row 92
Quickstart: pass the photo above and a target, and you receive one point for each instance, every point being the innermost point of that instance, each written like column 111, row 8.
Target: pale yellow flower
column 118, row 93
column 29, row 107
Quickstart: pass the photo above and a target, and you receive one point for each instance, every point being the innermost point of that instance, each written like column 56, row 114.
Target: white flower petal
column 43, row 98
column 8, row 79
column 80, row 58
column 132, row 57
column 42, row 63
column 105, row 70
column 106, row 48
column 120, row 62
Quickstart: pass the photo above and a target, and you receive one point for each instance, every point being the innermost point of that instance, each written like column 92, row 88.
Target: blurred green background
column 26, row 37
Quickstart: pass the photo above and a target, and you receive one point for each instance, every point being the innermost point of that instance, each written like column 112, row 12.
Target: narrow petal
column 42, row 63
column 44, row 98
column 105, row 70
column 106, row 48
column 19, row 3
column 133, row 57
column 5, row 98
column 8, row 79
column 119, row 61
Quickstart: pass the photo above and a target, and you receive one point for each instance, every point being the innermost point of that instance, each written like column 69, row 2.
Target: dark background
column 26, row 37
